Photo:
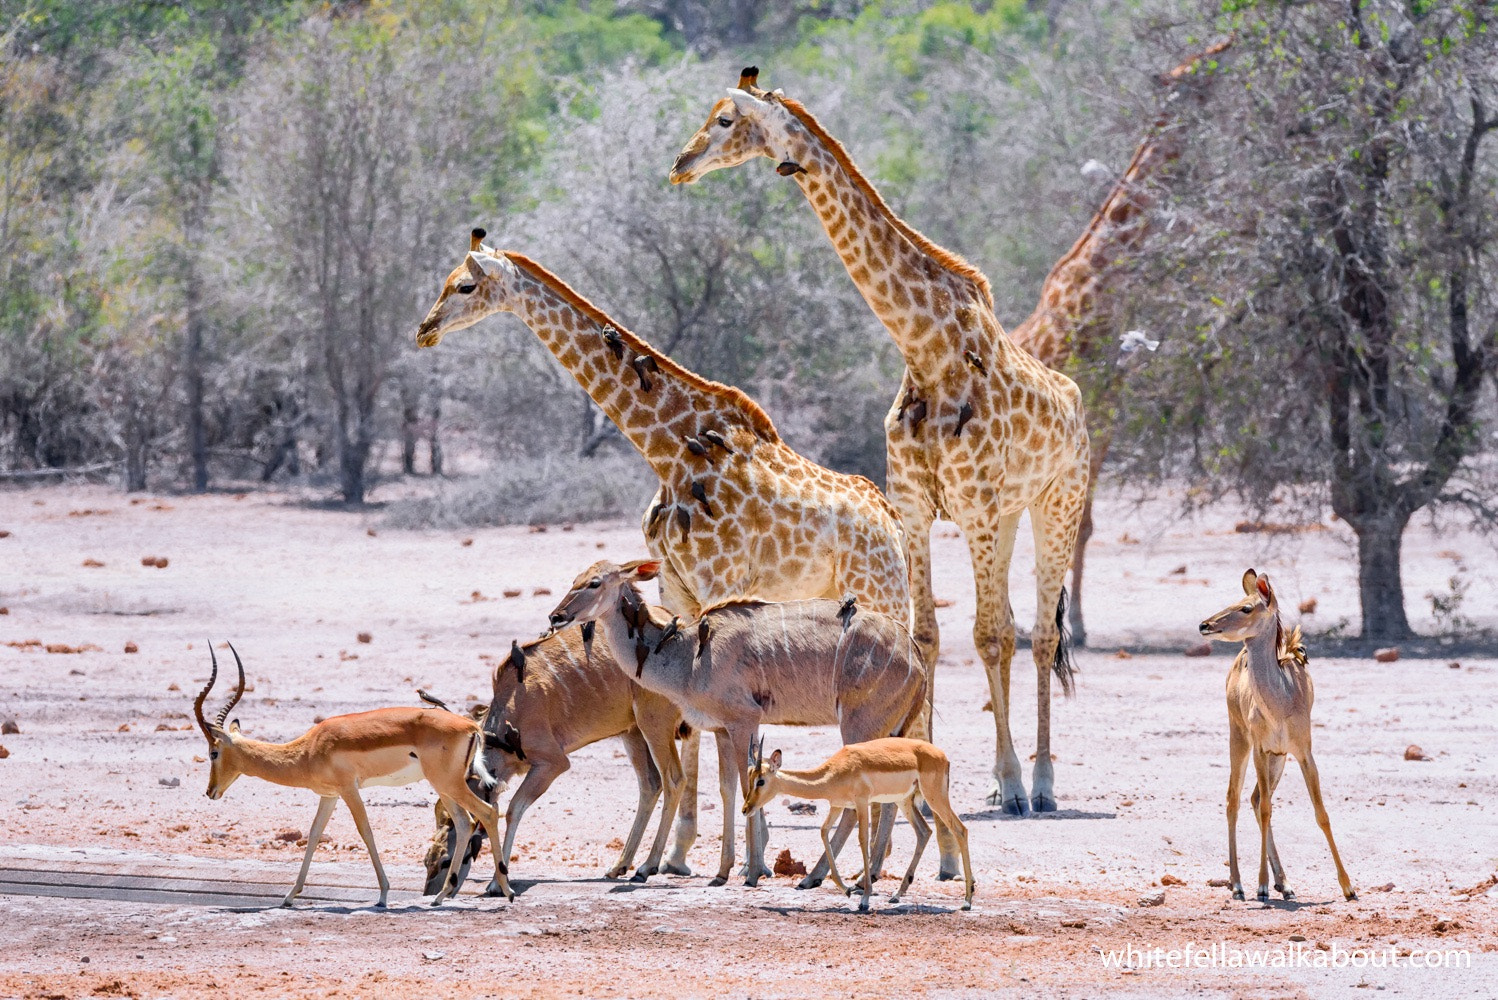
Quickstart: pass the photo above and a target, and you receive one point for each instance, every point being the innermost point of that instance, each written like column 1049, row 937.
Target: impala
column 858, row 775
column 338, row 756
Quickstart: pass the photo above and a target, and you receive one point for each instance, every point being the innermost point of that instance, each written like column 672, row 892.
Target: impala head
column 223, row 752
column 480, row 286
column 596, row 591
column 760, row 786
column 749, row 122
column 1242, row 620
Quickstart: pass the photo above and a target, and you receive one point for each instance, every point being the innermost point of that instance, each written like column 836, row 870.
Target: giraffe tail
column 1062, row 666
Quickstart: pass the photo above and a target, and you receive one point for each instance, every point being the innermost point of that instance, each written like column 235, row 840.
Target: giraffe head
column 480, row 286
column 749, row 122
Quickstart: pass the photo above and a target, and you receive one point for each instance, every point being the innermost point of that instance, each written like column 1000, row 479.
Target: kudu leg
column 1237, row 763
column 660, row 738
column 1313, row 786
column 686, row 811
column 649, row 781
column 1263, row 810
column 729, row 763
column 324, row 810
column 1276, row 765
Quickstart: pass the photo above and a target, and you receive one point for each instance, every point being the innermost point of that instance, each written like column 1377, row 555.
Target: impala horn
column 223, row 713
column 197, row 705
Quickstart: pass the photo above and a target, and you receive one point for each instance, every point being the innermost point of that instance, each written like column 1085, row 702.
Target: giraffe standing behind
column 1076, row 317
column 739, row 514
column 981, row 431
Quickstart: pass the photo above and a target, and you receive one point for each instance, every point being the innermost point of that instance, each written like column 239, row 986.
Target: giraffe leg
column 993, row 634
column 1054, row 518
column 1100, row 440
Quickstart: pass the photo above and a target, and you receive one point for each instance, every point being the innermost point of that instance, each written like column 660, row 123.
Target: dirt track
column 1140, row 776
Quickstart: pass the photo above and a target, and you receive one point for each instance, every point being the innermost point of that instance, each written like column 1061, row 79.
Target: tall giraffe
column 738, row 514
column 1076, row 317
column 981, row 431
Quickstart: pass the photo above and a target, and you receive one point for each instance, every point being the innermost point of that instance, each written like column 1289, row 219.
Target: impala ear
column 775, row 761
column 1250, row 582
column 234, row 727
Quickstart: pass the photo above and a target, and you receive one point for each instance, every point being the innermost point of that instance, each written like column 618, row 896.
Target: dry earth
column 1141, row 772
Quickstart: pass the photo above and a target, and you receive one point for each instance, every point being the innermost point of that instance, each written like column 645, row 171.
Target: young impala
column 1269, row 716
column 338, row 756
column 858, row 775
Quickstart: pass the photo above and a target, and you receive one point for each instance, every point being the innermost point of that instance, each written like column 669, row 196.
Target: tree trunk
column 434, row 439
column 1380, row 585
column 135, row 456
column 352, row 457
column 410, row 431
column 196, row 436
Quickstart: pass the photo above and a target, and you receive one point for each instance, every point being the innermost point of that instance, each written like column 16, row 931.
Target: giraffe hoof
column 945, row 876
column 638, row 877
column 719, row 880
column 1042, row 803
column 1012, row 805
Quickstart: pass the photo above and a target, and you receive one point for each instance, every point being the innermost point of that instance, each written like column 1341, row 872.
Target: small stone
column 1171, row 880
column 1123, row 654
column 131, row 647
column 538, row 529
column 1297, row 937
column 434, row 956
column 541, row 592
column 802, row 808
column 941, row 602
column 173, row 686
column 516, row 592
column 162, row 727
column 1454, row 664
column 1158, row 899
column 1218, row 883
column 169, row 782
column 467, row 542
column 124, row 728
column 1413, row 752
column 1200, row 649
column 1075, row 924
column 93, row 564
column 1308, row 606
column 787, row 866
column 371, row 533
column 9, row 728
column 1386, row 655
column 365, row 637
column 1178, row 571
column 4, row 753
column 1386, row 887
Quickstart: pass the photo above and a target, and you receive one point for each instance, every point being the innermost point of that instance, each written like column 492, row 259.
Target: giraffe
column 980, row 432
column 1076, row 319
column 738, row 513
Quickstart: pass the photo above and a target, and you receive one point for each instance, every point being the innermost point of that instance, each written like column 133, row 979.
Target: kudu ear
column 1262, row 585
column 1250, row 582
column 644, row 569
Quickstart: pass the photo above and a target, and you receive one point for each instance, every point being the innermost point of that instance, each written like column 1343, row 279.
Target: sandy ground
column 1141, row 770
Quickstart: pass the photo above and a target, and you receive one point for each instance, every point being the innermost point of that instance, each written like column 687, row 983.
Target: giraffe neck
column 655, row 402
column 933, row 304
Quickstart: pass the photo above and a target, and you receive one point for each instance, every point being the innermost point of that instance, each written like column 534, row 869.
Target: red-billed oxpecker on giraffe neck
column 1269, row 716
column 980, row 433
column 738, row 513
column 338, row 756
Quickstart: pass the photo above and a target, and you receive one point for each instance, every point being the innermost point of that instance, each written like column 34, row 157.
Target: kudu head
column 1242, row 620
column 223, row 750
column 599, row 589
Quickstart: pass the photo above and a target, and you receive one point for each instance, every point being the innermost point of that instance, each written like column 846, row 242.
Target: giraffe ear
column 480, row 264
column 747, row 104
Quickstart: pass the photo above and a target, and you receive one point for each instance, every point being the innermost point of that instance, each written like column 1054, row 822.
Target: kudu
column 741, row 665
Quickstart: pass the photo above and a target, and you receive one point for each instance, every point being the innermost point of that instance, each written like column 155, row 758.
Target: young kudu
column 338, row 756
column 800, row 663
column 1269, row 716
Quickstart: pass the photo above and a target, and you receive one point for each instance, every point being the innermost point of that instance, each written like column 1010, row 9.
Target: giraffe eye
column 725, row 122
column 466, row 288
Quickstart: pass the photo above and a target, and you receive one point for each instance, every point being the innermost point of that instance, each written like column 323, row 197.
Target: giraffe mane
column 758, row 420
column 747, row 600
column 952, row 262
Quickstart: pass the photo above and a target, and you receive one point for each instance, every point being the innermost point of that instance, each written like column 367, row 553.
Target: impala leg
column 361, row 821
column 319, row 820
column 488, row 817
column 1276, row 766
column 864, row 846
column 463, row 825
column 1313, row 786
column 935, row 789
column 833, row 814
column 839, row 837
column 686, row 810
column 1237, row 763
column 922, row 834
column 649, row 781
